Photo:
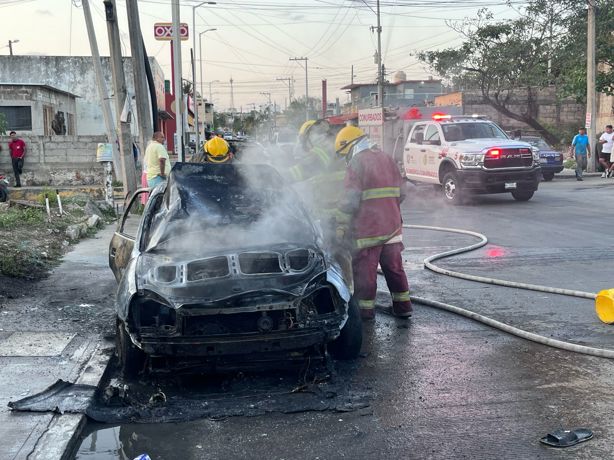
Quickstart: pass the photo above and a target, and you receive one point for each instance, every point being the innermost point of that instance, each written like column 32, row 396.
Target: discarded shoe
column 567, row 438
column 367, row 314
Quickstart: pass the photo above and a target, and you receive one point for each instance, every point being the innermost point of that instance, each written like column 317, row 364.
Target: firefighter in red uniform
column 370, row 214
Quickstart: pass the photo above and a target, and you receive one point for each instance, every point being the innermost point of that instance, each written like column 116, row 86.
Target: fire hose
column 428, row 263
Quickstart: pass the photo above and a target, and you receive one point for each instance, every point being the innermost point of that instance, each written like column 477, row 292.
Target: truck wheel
column 522, row 195
column 349, row 342
column 451, row 189
column 548, row 176
column 131, row 358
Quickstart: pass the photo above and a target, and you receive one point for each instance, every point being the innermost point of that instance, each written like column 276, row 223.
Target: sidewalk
column 55, row 332
column 571, row 174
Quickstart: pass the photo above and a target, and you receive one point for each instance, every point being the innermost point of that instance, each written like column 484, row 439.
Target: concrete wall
column 74, row 74
column 37, row 98
column 56, row 160
column 547, row 108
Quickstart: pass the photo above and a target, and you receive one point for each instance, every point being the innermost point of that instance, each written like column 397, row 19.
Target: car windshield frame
column 464, row 131
column 537, row 142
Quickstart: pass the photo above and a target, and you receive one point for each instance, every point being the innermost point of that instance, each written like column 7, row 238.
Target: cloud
column 44, row 12
column 297, row 17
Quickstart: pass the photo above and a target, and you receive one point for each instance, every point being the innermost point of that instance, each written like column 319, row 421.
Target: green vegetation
column 3, row 124
column 508, row 61
column 51, row 193
column 17, row 217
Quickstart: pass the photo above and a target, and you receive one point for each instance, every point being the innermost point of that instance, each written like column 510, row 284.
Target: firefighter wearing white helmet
column 370, row 214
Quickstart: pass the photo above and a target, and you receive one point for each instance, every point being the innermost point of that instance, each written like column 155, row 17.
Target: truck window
column 461, row 131
column 417, row 135
column 431, row 136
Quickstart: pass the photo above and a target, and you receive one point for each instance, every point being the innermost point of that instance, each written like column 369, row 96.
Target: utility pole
column 119, row 86
column 11, row 46
column 380, row 73
column 352, row 75
column 232, row 96
column 141, row 91
column 102, row 88
column 178, row 89
column 306, row 85
column 591, row 99
column 289, row 80
column 202, row 94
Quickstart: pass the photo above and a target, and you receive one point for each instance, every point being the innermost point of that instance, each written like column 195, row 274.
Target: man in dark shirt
column 18, row 152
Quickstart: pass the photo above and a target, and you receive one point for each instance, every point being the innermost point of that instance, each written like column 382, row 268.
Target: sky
column 255, row 39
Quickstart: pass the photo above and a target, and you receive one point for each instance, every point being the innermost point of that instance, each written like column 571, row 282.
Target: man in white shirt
column 607, row 141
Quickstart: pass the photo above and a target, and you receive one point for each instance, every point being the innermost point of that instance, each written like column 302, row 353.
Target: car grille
column 215, row 267
column 239, row 323
column 509, row 158
column 259, row 263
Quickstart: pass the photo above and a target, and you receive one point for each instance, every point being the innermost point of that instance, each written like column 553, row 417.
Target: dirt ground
column 31, row 244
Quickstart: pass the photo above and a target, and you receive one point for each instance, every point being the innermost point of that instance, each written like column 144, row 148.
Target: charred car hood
column 228, row 231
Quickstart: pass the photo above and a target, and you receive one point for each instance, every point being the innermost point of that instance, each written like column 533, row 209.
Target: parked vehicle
column 470, row 155
column 550, row 160
column 225, row 268
column 4, row 190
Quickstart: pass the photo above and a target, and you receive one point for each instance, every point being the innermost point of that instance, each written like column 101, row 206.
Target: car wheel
column 349, row 342
column 522, row 195
column 131, row 358
column 452, row 191
column 3, row 195
column 548, row 176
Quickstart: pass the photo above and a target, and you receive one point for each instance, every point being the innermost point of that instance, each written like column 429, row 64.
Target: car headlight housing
column 469, row 160
column 156, row 269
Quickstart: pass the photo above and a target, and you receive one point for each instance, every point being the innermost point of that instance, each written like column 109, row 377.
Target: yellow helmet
column 347, row 138
column 305, row 127
column 217, row 149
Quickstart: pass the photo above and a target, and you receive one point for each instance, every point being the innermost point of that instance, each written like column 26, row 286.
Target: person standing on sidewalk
column 157, row 160
column 370, row 212
column 580, row 147
column 18, row 152
column 607, row 140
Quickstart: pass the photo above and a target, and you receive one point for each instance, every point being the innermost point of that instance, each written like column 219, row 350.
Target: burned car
column 224, row 266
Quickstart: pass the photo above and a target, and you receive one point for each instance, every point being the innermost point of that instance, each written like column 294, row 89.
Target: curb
column 62, row 435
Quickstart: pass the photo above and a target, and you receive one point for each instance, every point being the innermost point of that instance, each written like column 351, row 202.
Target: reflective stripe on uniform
column 342, row 217
column 366, row 304
column 383, row 192
column 297, row 173
column 400, row 296
column 371, row 241
column 322, row 155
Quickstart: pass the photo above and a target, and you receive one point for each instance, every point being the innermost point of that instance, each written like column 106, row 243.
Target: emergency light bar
column 441, row 116
column 438, row 116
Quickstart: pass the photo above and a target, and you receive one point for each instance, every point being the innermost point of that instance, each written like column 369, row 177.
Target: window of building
column 47, row 118
column 18, row 118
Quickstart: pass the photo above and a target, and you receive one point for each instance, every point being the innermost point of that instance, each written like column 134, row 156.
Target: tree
column 3, row 124
column 541, row 48
column 295, row 113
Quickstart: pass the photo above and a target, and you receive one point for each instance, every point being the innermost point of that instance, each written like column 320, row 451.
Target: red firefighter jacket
column 373, row 194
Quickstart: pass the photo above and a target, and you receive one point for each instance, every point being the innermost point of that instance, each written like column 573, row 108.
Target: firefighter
column 217, row 151
column 370, row 213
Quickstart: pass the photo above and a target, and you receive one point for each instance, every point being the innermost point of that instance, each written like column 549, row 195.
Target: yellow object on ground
column 604, row 305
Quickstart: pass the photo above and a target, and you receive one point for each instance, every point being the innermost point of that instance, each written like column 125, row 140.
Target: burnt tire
column 522, row 195
column 452, row 191
column 4, row 195
column 548, row 176
column 348, row 344
column 131, row 358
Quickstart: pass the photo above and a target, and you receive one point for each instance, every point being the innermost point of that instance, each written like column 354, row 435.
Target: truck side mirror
column 419, row 138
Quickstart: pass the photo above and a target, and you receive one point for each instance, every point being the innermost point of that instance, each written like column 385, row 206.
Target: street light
column 200, row 60
column 212, row 106
column 11, row 45
column 194, row 67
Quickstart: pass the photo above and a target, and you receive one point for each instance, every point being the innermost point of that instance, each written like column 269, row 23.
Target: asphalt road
column 442, row 386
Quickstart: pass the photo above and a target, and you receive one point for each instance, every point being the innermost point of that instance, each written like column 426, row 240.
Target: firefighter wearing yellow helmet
column 217, row 151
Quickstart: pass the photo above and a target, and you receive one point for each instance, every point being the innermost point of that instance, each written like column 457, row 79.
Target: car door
column 414, row 153
column 433, row 153
column 122, row 243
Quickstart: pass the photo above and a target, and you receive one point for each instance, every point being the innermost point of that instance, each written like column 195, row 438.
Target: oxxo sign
column 164, row 31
